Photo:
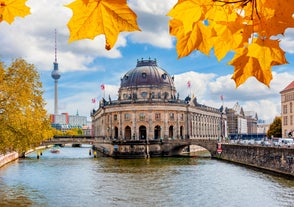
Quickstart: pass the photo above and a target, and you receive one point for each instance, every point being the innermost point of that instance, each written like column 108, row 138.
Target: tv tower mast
column 55, row 75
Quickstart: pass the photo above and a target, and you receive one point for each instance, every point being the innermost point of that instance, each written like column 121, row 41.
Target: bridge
column 75, row 141
column 134, row 148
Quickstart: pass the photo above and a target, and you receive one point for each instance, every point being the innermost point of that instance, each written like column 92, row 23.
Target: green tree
column 24, row 123
column 275, row 128
column 74, row 131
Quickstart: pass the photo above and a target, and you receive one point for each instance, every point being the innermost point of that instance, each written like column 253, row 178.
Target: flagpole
column 103, row 89
column 189, row 86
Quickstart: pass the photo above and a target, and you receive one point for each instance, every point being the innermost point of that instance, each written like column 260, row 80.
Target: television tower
column 55, row 75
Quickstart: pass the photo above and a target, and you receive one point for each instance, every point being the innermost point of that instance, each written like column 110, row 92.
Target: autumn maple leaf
column 190, row 11
column 94, row 17
column 193, row 40
column 246, row 66
column 245, row 27
column 9, row 9
column 256, row 59
column 268, row 52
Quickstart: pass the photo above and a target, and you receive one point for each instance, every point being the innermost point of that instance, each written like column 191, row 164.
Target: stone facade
column 287, row 102
column 149, row 108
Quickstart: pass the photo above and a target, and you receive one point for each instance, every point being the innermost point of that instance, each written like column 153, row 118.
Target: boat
column 54, row 150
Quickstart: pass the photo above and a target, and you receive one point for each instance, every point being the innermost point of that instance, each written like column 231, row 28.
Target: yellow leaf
column 108, row 17
column 228, row 37
column 193, row 40
column 247, row 66
column 190, row 11
column 9, row 9
column 267, row 52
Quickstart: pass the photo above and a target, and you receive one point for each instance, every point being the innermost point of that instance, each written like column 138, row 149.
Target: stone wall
column 4, row 159
column 280, row 160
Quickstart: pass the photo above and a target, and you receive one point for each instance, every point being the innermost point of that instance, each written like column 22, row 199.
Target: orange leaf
column 193, row 40
column 9, row 9
column 267, row 52
column 190, row 11
column 108, row 17
column 247, row 66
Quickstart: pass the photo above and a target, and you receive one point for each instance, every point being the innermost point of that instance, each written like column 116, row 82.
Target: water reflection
column 74, row 178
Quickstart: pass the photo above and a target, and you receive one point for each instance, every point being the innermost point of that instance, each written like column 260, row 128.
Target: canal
column 74, row 178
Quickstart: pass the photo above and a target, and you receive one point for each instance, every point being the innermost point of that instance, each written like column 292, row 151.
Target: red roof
column 290, row 86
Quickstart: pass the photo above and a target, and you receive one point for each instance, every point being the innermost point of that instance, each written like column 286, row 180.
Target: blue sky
column 85, row 64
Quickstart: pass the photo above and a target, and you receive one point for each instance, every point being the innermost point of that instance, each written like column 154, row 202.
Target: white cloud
column 287, row 42
column 152, row 6
column 252, row 95
column 160, row 39
column 32, row 38
column 153, row 22
column 199, row 82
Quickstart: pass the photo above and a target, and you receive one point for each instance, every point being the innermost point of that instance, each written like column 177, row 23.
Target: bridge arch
column 176, row 147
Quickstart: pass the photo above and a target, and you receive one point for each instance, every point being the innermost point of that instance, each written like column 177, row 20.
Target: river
column 74, row 178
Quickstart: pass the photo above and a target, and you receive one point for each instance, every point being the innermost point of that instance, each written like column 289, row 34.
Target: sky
column 85, row 65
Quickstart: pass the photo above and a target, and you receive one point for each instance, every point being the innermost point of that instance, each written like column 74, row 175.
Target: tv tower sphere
column 55, row 73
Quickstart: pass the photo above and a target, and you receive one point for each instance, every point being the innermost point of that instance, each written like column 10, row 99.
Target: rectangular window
column 182, row 117
column 115, row 117
column 285, row 109
column 142, row 116
column 127, row 117
column 285, row 120
column 157, row 116
column 172, row 116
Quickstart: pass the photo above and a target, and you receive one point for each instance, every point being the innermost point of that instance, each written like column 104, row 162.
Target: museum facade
column 148, row 107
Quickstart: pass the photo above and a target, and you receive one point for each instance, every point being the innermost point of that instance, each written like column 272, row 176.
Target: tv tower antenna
column 55, row 75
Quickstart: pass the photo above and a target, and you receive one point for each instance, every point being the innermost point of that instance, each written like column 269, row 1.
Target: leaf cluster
column 23, row 120
column 246, row 27
column 249, row 28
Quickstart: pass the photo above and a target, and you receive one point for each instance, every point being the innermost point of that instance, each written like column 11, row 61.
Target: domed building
column 148, row 108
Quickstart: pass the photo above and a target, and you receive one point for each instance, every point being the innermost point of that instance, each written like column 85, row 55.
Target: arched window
column 181, row 132
column 157, row 132
column 115, row 132
column 128, row 133
column 142, row 132
column 171, row 132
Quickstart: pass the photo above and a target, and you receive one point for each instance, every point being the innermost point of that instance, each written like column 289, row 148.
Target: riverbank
column 9, row 157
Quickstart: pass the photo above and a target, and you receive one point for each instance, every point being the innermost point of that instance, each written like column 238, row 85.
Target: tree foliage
column 275, row 129
column 247, row 27
column 23, row 120
column 74, row 131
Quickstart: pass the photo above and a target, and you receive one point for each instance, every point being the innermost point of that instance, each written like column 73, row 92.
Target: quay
column 279, row 160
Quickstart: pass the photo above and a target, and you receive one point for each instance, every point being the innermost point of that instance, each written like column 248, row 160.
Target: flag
column 222, row 98
column 93, row 100
column 189, row 84
column 102, row 87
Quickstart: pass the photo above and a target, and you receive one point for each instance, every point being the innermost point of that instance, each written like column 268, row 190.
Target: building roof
column 288, row 87
column 251, row 114
column 147, row 73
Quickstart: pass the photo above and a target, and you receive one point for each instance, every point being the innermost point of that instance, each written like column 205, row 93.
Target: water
column 73, row 178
